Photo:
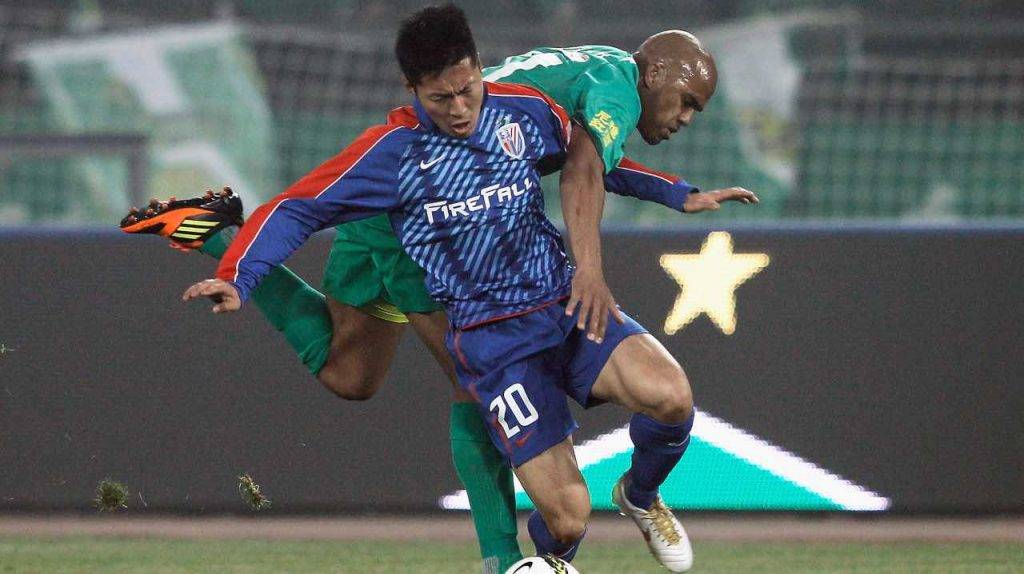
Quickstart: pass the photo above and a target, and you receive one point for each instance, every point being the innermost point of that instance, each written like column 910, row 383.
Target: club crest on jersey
column 512, row 140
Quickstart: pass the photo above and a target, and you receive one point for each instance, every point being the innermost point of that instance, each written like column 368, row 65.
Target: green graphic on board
column 708, row 478
column 725, row 468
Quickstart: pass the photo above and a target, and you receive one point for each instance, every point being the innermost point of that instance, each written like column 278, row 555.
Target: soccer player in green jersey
column 348, row 338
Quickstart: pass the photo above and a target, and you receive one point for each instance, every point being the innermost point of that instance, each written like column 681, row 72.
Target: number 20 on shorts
column 515, row 402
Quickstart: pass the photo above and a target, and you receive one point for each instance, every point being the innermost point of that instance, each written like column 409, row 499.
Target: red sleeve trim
column 311, row 186
column 404, row 116
column 502, row 89
column 631, row 165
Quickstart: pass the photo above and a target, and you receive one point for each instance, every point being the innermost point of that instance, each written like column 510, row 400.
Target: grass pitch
column 79, row 554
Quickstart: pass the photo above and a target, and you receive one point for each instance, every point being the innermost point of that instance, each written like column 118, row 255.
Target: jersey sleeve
column 609, row 110
column 639, row 181
column 359, row 182
column 556, row 128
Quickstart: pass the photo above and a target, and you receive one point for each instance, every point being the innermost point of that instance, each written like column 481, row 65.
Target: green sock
column 292, row 307
column 488, row 481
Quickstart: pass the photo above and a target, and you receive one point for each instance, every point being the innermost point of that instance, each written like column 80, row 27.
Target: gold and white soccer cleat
column 665, row 536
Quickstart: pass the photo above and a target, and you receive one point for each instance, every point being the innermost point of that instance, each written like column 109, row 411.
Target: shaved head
column 678, row 47
column 677, row 78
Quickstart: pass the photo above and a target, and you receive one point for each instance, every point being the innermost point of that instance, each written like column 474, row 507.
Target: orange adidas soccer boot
column 188, row 223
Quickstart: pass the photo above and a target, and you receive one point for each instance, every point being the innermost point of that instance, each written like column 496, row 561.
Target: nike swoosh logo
column 426, row 165
column 522, row 440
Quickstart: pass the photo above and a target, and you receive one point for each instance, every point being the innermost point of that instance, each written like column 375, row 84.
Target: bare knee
column 362, row 347
column 356, row 392
column 568, row 522
column 349, row 384
column 675, row 403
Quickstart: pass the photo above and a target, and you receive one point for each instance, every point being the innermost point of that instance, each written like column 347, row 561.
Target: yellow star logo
column 708, row 281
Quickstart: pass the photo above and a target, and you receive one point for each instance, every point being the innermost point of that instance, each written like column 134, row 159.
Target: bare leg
column 431, row 328
column 554, row 483
column 643, row 377
column 481, row 468
column 362, row 349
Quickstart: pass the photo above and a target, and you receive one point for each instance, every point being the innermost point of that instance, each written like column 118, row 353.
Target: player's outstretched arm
column 582, row 192
column 712, row 200
column 357, row 183
column 637, row 180
column 221, row 292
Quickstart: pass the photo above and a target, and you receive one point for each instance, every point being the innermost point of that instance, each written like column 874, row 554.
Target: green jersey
column 595, row 84
column 597, row 87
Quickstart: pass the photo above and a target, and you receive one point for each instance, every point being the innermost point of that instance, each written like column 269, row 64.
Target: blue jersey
column 469, row 211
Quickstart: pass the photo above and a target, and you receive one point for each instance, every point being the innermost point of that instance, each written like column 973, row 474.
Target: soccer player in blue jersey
column 458, row 175
column 348, row 338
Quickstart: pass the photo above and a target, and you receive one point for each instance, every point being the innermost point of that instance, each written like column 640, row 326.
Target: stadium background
column 874, row 364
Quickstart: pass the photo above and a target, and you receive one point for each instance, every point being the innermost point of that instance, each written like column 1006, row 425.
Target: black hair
column 432, row 39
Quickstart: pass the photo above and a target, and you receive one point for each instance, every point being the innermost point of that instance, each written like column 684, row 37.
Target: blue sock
column 546, row 543
column 657, row 447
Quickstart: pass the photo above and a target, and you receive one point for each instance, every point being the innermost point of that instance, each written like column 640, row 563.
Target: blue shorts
column 522, row 369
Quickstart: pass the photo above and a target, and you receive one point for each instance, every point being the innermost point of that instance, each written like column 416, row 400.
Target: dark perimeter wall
column 893, row 358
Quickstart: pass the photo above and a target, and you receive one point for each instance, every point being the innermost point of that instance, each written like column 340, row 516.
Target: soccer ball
column 546, row 564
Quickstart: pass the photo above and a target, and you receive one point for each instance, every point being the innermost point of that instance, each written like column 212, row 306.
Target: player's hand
column 221, row 292
column 711, row 200
column 595, row 301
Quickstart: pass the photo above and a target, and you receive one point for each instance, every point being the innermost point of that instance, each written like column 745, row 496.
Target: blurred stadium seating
column 828, row 109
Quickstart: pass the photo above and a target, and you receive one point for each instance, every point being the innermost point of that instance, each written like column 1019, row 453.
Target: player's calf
column 567, row 522
column 559, row 530
column 361, row 350
column 563, row 545
column 350, row 374
column 643, row 377
column 349, row 387
column 556, row 487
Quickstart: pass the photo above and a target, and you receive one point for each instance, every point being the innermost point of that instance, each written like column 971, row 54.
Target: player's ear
column 655, row 74
column 408, row 85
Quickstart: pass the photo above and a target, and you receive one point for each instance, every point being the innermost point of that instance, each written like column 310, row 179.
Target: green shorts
column 369, row 270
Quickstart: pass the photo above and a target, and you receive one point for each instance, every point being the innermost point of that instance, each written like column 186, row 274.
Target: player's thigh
column 431, row 329
column 553, row 481
column 403, row 279
column 643, row 377
column 362, row 349
column 350, row 273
